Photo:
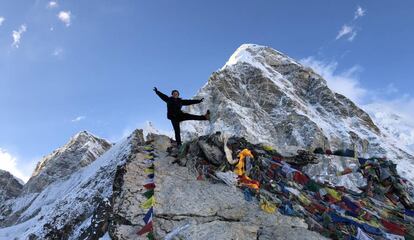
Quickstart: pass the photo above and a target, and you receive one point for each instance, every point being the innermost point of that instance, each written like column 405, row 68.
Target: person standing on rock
column 174, row 113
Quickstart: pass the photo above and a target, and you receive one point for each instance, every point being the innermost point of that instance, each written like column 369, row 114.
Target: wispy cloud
column 52, row 4
column 346, row 82
column 78, row 119
column 9, row 163
column 57, row 52
column 2, row 19
column 65, row 17
column 360, row 12
column 349, row 31
column 352, row 36
column 17, row 35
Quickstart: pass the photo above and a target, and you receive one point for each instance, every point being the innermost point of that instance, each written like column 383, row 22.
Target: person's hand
column 155, row 89
column 201, row 99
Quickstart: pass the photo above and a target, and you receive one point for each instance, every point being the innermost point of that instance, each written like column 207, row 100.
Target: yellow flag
column 149, row 203
column 148, row 157
column 334, row 194
column 148, row 170
column 303, row 199
column 267, row 206
column 148, row 148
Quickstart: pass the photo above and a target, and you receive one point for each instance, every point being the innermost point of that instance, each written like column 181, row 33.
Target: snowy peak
column 84, row 137
column 397, row 127
column 265, row 96
column 82, row 149
column 10, row 186
column 258, row 56
column 150, row 128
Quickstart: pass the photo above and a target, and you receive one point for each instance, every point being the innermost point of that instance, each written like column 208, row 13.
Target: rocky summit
column 10, row 186
column 213, row 187
column 266, row 96
column 109, row 198
column 81, row 150
column 282, row 157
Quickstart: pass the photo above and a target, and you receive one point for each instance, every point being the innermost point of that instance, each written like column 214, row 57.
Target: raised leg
column 187, row 116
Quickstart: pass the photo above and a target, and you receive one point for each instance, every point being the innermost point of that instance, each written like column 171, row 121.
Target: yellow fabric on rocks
column 240, row 167
column 267, row 206
column 148, row 148
column 268, row 148
column 148, row 157
column 303, row 199
column 336, row 195
column 148, row 170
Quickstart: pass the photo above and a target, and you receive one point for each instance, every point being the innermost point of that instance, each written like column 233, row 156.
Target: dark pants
column 183, row 117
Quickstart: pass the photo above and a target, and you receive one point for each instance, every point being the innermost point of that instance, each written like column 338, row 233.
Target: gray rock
column 212, row 152
column 10, row 186
column 214, row 211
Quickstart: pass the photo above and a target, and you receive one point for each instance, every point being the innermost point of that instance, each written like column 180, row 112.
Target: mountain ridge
column 82, row 149
column 266, row 96
column 260, row 94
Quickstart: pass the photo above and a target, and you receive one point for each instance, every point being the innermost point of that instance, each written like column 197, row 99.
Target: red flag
column 146, row 228
column 149, row 186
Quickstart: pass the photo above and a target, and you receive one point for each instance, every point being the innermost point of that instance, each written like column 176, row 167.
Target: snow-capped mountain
column 91, row 189
column 69, row 204
column 10, row 186
column 398, row 127
column 80, row 151
column 266, row 96
column 104, row 200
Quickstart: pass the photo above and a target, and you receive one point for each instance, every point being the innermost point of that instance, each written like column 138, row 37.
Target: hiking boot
column 207, row 115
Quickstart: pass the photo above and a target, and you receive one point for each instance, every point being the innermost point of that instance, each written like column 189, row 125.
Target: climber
column 174, row 113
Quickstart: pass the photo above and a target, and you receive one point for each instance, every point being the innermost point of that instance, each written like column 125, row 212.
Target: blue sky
column 67, row 66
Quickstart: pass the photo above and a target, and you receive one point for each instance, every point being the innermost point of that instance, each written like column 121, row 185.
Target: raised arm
column 161, row 95
column 186, row 102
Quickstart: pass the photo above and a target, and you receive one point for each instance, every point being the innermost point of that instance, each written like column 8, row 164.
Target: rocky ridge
column 104, row 199
column 80, row 151
column 265, row 96
column 10, row 186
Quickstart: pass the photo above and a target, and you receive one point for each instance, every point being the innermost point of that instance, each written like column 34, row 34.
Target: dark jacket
column 174, row 105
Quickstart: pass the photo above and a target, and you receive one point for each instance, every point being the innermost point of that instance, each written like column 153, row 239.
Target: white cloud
column 345, row 83
column 57, row 52
column 17, row 35
column 350, row 32
column 65, row 17
column 347, row 31
column 359, row 12
column 79, row 118
column 9, row 163
column 2, row 19
column 52, row 4
column 352, row 36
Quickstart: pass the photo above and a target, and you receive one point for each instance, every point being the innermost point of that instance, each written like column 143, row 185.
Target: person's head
column 175, row 93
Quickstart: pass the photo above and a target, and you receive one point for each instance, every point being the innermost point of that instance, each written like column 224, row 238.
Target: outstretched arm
column 186, row 102
column 161, row 95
